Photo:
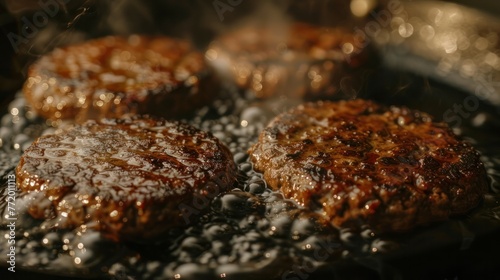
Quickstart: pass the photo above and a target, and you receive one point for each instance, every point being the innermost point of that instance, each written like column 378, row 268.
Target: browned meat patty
column 359, row 163
column 298, row 60
column 110, row 76
column 128, row 177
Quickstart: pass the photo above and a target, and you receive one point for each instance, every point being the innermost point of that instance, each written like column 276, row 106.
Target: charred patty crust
column 111, row 76
column 299, row 60
column 125, row 177
column 358, row 162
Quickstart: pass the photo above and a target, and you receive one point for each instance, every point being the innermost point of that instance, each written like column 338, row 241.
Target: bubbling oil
column 249, row 232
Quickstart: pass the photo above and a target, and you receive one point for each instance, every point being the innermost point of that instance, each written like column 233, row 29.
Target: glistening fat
column 126, row 178
column 114, row 75
column 358, row 162
column 297, row 60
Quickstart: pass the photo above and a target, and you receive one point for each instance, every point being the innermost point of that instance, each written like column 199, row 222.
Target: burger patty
column 298, row 60
column 128, row 178
column 358, row 162
column 114, row 75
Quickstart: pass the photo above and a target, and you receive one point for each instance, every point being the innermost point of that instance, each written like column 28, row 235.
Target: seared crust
column 125, row 177
column 298, row 60
column 358, row 162
column 114, row 75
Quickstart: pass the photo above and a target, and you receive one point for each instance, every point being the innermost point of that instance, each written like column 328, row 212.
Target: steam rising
column 199, row 21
